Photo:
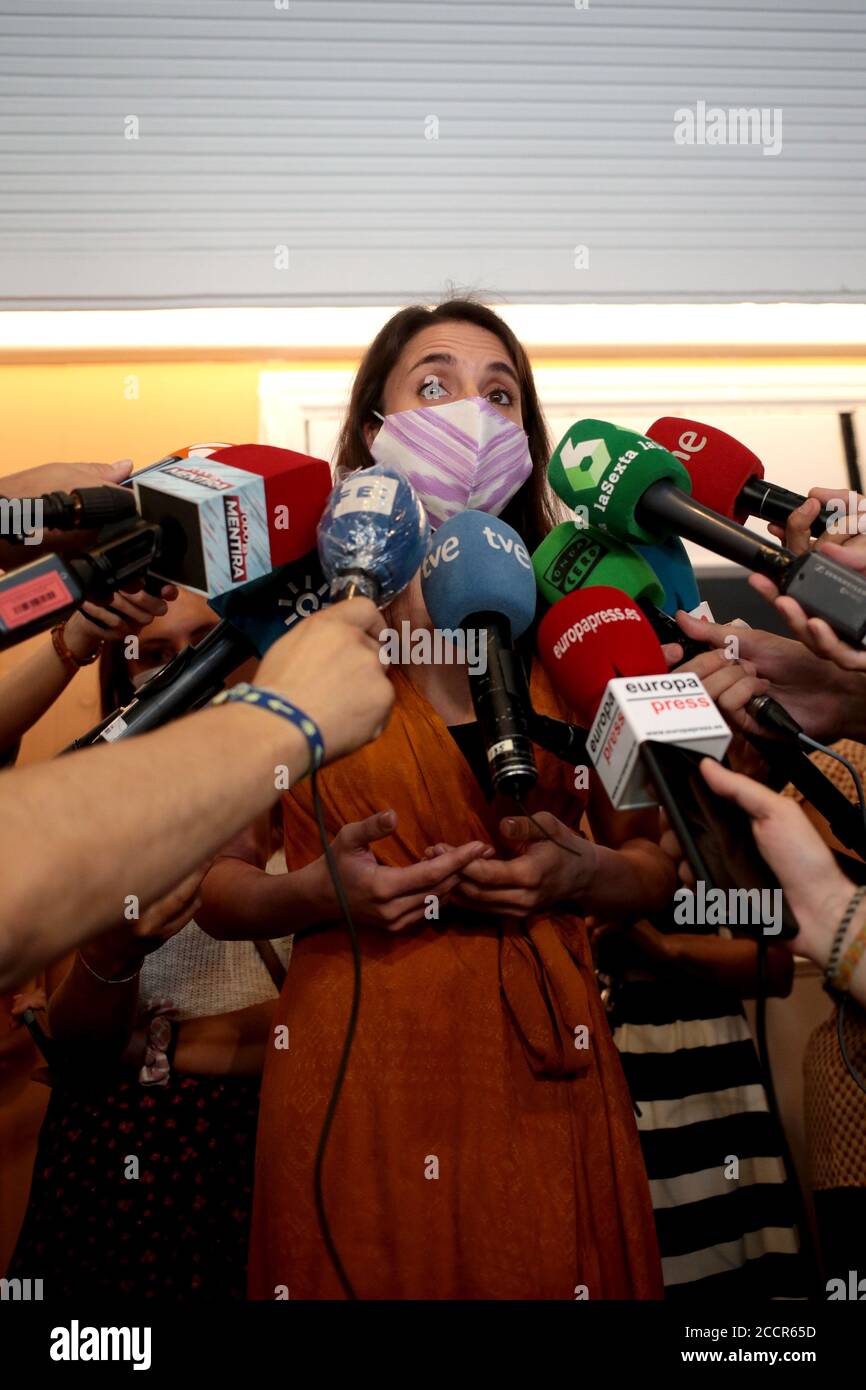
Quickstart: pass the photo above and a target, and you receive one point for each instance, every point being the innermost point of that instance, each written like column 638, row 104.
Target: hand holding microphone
column 815, row 888
column 330, row 667
column 828, row 702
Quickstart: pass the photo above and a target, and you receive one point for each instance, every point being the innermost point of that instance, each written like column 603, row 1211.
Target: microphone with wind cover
column 727, row 476
column 638, row 492
column 648, row 729
column 373, row 535
column 477, row 576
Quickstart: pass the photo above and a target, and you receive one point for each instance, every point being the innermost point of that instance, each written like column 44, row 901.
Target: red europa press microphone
column 603, row 657
column 648, row 729
column 726, row 475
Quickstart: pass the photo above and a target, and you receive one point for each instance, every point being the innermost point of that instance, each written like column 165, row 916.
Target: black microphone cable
column 351, row 1029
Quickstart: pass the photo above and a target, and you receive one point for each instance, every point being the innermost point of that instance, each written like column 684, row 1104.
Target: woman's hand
column 128, row 613
column 826, row 701
column 380, row 896
column 815, row 888
column 35, row 999
column 730, row 681
column 846, row 547
column 540, row 875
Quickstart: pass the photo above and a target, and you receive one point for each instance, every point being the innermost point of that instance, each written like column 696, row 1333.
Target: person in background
column 830, row 911
column 142, row 1183
column 32, row 686
column 674, row 993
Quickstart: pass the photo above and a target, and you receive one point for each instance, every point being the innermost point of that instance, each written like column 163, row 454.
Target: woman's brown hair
column 530, row 511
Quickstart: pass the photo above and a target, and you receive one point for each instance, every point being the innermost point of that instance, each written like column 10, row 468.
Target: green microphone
column 573, row 557
column 604, row 471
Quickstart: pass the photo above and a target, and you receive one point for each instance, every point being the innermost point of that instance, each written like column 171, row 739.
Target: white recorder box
column 673, row 708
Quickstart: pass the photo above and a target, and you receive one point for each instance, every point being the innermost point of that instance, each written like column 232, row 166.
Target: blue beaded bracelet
column 254, row 695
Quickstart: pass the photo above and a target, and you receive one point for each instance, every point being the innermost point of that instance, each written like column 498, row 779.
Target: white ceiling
column 306, row 129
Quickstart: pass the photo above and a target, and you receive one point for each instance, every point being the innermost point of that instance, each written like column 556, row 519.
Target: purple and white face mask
column 464, row 454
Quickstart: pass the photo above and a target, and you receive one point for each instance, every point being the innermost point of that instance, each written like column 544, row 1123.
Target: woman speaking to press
column 484, row 1144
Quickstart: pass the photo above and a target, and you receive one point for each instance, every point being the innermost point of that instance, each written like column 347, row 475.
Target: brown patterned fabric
column 835, row 1106
column 835, row 771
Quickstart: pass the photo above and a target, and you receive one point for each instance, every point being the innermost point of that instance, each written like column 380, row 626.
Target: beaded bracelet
column 267, row 699
column 832, row 974
column 850, row 961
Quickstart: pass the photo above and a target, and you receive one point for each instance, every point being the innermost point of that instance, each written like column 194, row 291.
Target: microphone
column 575, row 557
column 373, row 535
column 254, row 616
column 788, row 760
column 231, row 513
column 84, row 509
column 636, row 491
column 572, row 556
column 477, row 575
column 38, row 595
column 648, row 728
column 203, row 523
column 673, row 569
column 727, row 476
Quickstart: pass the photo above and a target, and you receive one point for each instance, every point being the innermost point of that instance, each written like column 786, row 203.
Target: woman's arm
column 93, row 1019
column 32, row 687
column 632, row 874
column 730, row 962
column 242, row 902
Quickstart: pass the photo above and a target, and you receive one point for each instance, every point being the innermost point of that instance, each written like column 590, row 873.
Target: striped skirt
column 724, row 1211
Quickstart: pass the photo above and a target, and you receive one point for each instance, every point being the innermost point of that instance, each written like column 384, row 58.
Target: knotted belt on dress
column 543, row 973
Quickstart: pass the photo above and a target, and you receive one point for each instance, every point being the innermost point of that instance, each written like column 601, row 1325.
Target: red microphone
column 727, row 476
column 590, row 637
column 648, row 728
column 602, row 655
column 232, row 513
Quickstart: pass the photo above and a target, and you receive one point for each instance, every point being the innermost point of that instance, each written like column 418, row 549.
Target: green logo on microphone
column 584, row 464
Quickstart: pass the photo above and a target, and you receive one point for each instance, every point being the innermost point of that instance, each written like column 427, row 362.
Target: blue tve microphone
column 477, row 575
column 373, row 535
column 673, row 569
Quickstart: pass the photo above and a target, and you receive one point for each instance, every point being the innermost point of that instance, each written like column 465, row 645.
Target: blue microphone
column 373, row 535
column 268, row 608
column 477, row 575
column 673, row 569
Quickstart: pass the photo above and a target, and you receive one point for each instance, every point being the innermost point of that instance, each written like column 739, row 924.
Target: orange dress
column 476, row 1151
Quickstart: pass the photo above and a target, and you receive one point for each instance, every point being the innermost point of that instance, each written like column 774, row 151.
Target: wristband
column 850, row 961
column 832, row 982
column 267, row 699
column 69, row 659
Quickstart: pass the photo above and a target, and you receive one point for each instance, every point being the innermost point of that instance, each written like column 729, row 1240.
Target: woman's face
column 188, row 620
column 465, row 360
